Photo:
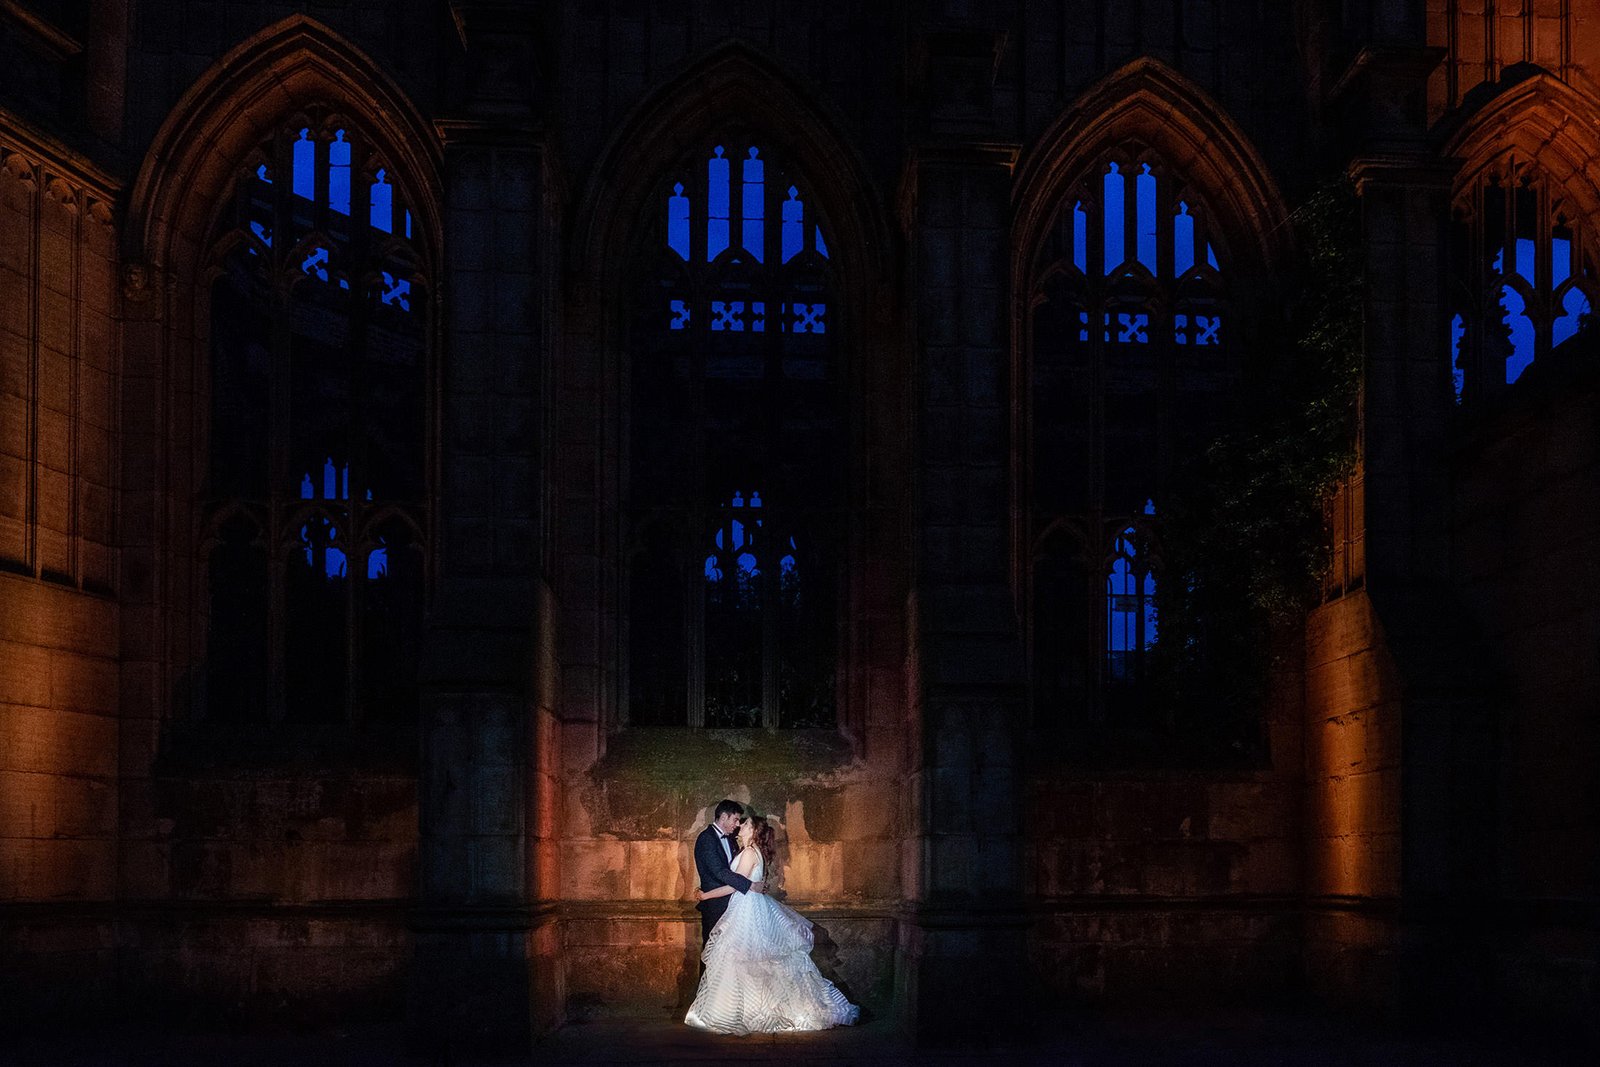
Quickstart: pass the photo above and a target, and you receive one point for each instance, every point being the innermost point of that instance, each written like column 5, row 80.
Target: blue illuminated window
column 1458, row 375
column 794, row 226
column 720, row 221
column 1182, row 240
column 339, row 174
column 752, row 205
column 734, row 384
column 1130, row 608
column 1145, row 186
column 381, row 196
column 1574, row 315
column 678, row 222
column 1113, row 216
column 305, row 166
column 316, row 438
column 1132, row 372
column 1529, row 294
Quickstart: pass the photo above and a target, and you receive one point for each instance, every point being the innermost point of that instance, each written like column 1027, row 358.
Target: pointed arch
column 732, row 82
column 232, row 108
column 1129, row 336
column 1539, row 118
column 1523, row 267
column 734, row 89
column 199, row 193
column 1148, row 102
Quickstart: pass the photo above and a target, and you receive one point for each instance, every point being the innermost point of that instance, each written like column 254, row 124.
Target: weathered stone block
column 813, row 871
column 656, row 870
column 594, row 869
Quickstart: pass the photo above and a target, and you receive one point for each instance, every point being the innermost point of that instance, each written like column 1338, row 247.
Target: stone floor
column 1131, row 1038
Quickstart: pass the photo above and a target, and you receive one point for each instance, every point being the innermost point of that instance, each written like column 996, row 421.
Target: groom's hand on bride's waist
column 758, row 887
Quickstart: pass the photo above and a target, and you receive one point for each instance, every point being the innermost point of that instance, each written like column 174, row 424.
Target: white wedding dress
column 759, row 977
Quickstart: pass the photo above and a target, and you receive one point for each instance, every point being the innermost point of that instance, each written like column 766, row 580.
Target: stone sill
column 680, row 755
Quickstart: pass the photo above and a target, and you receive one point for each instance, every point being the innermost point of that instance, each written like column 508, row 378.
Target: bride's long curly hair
column 761, row 836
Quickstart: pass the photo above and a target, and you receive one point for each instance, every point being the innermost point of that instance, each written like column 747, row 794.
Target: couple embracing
column 757, row 975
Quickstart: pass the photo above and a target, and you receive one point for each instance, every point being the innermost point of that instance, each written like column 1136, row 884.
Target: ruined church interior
column 1112, row 482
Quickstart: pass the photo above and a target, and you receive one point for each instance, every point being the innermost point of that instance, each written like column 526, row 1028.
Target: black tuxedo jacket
column 711, row 864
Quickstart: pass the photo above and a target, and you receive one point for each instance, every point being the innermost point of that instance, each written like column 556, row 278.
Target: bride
column 759, row 977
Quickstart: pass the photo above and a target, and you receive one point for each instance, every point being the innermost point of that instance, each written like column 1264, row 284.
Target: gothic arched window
column 316, row 495
column 1525, row 278
column 734, row 474
column 1130, row 367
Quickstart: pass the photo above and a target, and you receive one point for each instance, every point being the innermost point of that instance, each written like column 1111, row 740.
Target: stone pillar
column 1446, row 788
column 472, row 983
column 961, row 955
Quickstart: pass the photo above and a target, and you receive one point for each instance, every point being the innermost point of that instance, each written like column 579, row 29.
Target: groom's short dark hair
column 727, row 807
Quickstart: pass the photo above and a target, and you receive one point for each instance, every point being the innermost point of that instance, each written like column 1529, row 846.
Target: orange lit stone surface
column 1409, row 824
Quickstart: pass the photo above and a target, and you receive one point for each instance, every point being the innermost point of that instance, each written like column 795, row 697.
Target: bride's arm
column 743, row 864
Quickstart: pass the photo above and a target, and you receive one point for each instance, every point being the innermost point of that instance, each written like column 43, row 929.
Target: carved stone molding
column 19, row 166
column 33, row 156
column 62, row 192
column 138, row 282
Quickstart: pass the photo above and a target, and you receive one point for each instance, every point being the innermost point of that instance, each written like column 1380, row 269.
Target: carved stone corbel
column 138, row 283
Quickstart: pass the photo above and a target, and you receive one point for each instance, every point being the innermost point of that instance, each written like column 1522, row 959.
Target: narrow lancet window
column 1145, row 197
column 717, row 197
column 1182, row 241
column 339, row 174
column 305, row 166
column 752, row 207
column 1114, row 217
column 1080, row 238
column 794, row 227
column 678, row 222
column 382, row 197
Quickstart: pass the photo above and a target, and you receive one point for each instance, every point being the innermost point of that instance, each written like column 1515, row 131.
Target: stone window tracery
column 1131, row 364
column 316, row 496
column 733, row 493
column 1524, row 277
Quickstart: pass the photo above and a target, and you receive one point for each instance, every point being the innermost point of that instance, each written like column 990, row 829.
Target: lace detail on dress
column 759, row 976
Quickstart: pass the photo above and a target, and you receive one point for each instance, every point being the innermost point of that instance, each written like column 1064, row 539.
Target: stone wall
column 1527, row 541
column 251, row 890
column 1351, row 802
column 58, row 617
column 58, row 797
column 613, row 860
column 1484, row 39
column 630, row 932
column 171, row 45
column 58, row 749
column 539, row 854
column 58, row 358
column 543, row 797
column 1177, row 886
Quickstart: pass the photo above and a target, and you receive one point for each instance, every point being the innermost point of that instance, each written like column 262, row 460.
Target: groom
column 713, row 859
